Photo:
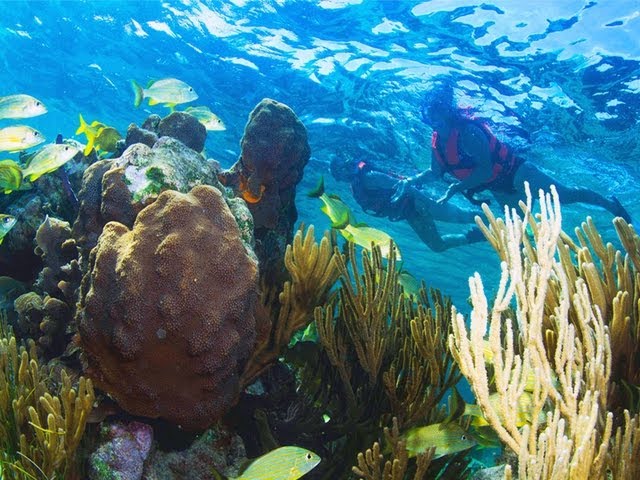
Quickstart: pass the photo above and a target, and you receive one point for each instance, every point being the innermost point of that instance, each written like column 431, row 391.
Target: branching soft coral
column 560, row 339
column 39, row 431
column 312, row 270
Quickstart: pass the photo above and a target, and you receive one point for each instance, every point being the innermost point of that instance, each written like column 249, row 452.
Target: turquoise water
column 565, row 74
column 559, row 80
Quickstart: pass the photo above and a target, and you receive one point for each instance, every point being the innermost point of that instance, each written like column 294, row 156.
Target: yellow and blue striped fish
column 21, row 106
column 284, row 463
column 19, row 137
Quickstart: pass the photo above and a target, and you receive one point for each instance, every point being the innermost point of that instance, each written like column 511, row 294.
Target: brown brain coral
column 166, row 316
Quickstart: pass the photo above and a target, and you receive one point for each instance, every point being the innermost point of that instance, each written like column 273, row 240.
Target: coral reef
column 178, row 125
column 216, row 449
column 166, row 314
column 44, row 320
column 274, row 153
column 39, row 429
column 558, row 338
column 137, row 134
column 61, row 273
column 312, row 268
column 185, row 128
column 116, row 190
column 379, row 354
column 122, row 453
column 372, row 466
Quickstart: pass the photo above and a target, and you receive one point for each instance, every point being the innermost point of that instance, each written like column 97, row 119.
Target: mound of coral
column 166, row 316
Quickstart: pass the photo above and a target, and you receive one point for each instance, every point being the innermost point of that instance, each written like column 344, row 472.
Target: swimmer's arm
column 423, row 177
column 474, row 143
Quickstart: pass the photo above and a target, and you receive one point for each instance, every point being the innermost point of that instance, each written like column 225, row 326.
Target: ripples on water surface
column 560, row 79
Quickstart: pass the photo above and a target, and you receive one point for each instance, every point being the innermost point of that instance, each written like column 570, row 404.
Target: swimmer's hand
column 476, row 201
column 451, row 191
column 399, row 192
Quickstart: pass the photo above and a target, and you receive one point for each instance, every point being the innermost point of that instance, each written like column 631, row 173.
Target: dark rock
column 185, row 128
column 151, row 123
column 215, row 449
column 136, row 134
column 274, row 153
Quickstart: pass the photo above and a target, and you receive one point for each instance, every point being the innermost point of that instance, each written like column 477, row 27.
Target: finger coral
column 166, row 315
column 40, row 429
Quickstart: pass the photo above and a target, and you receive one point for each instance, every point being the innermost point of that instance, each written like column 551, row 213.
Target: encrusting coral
column 559, row 340
column 166, row 314
column 39, row 430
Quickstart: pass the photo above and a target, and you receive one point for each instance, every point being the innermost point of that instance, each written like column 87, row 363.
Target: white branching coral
column 570, row 429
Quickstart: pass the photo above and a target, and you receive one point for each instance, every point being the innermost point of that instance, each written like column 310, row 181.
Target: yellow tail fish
column 284, row 463
column 448, row 438
column 169, row 91
column 48, row 159
column 21, row 106
column 19, row 137
column 10, row 176
column 6, row 223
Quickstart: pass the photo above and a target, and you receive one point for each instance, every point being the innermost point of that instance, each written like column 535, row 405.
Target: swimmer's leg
column 426, row 229
column 540, row 180
column 446, row 212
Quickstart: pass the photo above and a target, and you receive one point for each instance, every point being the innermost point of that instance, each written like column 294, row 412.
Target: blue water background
column 355, row 72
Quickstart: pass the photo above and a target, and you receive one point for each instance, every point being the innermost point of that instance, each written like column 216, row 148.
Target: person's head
column 439, row 107
column 343, row 169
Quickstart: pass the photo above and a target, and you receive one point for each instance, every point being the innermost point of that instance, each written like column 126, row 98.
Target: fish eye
column 36, row 134
column 66, row 148
column 463, row 437
column 37, row 103
column 6, row 220
column 308, row 456
column 190, row 89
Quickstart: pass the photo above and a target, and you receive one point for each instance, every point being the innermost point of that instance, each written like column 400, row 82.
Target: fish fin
column 318, row 190
column 83, row 126
column 89, row 147
column 153, row 101
column 335, row 196
column 139, row 93
column 456, row 406
column 342, row 223
column 171, row 107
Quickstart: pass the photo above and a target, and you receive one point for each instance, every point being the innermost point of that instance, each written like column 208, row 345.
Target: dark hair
column 342, row 169
column 440, row 98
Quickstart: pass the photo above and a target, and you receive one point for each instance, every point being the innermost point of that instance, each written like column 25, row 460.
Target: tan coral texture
column 168, row 318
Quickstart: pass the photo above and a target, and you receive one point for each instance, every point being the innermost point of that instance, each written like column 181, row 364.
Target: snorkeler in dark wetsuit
column 373, row 189
column 465, row 148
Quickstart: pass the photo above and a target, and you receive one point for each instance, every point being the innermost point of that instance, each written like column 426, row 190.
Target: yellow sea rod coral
column 39, row 431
